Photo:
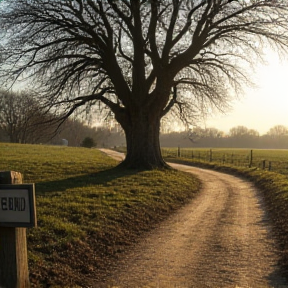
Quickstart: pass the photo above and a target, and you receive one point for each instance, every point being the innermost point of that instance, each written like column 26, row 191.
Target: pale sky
column 263, row 107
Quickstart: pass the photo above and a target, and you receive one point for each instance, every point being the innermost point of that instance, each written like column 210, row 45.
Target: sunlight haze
column 262, row 107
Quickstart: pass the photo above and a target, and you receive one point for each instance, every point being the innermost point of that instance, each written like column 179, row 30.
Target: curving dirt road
column 221, row 239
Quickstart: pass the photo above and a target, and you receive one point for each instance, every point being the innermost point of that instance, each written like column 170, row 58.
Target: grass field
column 88, row 211
column 273, row 160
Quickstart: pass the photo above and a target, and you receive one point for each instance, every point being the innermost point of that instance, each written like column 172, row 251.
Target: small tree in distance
column 88, row 142
column 142, row 59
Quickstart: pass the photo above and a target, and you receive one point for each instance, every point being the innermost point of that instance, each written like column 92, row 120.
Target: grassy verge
column 275, row 160
column 274, row 188
column 88, row 211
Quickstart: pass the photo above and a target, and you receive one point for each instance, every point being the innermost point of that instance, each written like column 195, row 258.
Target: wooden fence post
column 270, row 166
column 251, row 159
column 210, row 155
column 13, row 247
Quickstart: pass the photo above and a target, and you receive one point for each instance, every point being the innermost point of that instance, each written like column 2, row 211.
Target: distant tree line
column 23, row 120
column 79, row 134
column 238, row 137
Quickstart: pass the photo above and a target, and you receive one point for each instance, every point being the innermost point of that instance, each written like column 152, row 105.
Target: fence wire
column 246, row 158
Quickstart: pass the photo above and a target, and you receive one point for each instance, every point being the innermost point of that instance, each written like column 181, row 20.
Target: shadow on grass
column 98, row 178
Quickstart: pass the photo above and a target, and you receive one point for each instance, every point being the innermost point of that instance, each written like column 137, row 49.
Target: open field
column 88, row 211
column 273, row 160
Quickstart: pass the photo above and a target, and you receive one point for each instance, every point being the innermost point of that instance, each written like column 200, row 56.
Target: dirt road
column 221, row 239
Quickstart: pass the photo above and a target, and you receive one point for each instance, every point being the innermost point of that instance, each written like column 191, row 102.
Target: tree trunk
column 142, row 132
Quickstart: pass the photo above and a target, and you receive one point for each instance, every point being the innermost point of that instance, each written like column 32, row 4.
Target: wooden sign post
column 17, row 211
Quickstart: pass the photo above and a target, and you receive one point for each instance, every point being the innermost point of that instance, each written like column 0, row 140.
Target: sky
column 262, row 107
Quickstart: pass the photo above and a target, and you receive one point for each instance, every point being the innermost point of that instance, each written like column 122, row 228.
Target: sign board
column 17, row 205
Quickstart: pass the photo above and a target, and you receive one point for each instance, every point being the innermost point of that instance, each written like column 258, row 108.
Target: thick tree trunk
column 142, row 139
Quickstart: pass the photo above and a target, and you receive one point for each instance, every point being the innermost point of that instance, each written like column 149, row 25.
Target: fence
column 241, row 158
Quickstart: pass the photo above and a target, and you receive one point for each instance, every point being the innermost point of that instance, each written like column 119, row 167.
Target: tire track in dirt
column 221, row 239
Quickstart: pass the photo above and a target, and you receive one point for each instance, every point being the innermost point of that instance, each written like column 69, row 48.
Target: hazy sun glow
column 263, row 107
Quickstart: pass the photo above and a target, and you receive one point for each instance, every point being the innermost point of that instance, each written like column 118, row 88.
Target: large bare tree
column 140, row 58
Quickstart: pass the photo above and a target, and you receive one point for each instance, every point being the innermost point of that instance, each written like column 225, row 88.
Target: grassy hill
column 88, row 210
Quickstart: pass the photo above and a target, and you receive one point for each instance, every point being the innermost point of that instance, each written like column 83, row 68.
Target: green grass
column 88, row 210
column 275, row 160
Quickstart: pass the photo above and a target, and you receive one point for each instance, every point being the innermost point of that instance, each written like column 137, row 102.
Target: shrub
column 88, row 142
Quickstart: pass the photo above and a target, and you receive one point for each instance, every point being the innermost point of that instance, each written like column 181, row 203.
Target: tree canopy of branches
column 141, row 59
column 278, row 130
column 22, row 119
column 242, row 131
